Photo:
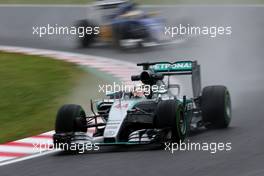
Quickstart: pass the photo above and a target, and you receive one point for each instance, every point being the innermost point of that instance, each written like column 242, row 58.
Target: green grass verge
column 139, row 1
column 33, row 88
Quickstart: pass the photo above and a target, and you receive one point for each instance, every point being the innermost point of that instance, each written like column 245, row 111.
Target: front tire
column 216, row 107
column 70, row 118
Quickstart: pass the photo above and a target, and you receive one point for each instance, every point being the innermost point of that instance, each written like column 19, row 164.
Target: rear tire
column 70, row 118
column 170, row 114
column 216, row 107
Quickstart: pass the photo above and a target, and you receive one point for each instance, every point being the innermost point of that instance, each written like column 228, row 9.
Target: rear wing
column 178, row 68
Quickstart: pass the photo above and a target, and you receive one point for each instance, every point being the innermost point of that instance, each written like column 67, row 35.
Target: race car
column 122, row 24
column 153, row 118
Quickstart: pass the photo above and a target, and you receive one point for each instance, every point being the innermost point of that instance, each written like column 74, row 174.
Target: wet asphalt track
column 235, row 61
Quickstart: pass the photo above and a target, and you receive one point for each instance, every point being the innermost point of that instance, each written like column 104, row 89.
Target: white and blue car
column 122, row 24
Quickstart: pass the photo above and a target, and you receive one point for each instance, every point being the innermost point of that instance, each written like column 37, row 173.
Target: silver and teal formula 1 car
column 158, row 117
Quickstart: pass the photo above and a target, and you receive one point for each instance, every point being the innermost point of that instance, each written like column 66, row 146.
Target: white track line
column 6, row 158
column 15, row 149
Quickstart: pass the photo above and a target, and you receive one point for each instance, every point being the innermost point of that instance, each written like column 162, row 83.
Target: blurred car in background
column 121, row 24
